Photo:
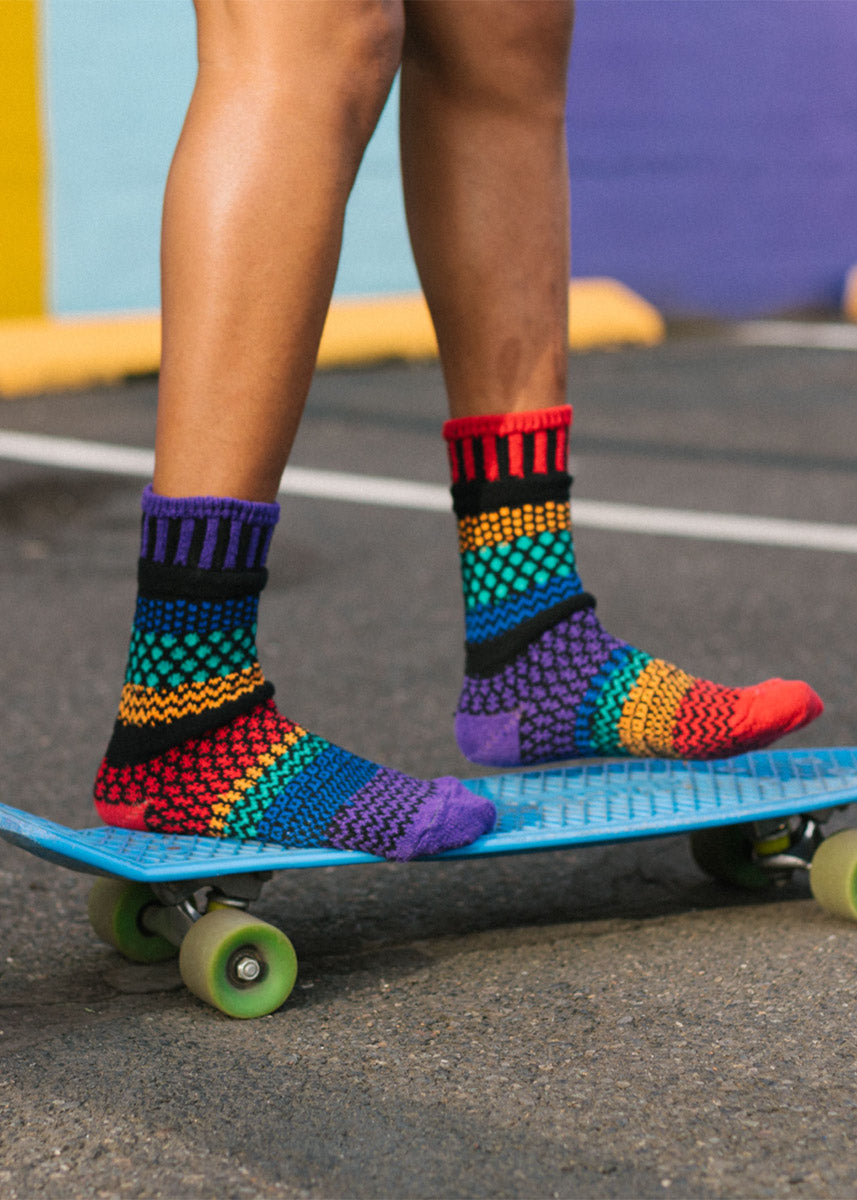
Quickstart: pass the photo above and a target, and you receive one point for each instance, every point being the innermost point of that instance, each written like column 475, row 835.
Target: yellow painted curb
column 370, row 330
column 52, row 354
column 604, row 312
column 849, row 295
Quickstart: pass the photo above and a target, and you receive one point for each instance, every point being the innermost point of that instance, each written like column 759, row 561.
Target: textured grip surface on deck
column 589, row 802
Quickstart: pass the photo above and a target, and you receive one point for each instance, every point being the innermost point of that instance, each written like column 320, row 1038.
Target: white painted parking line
column 365, row 489
column 802, row 335
column 72, row 454
column 716, row 527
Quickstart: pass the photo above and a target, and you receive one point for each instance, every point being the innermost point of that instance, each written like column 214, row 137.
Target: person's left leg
column 286, row 98
column 486, row 187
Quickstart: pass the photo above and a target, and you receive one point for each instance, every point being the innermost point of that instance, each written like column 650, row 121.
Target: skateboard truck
column 788, row 845
column 174, row 906
column 768, row 851
column 175, row 909
column 234, row 961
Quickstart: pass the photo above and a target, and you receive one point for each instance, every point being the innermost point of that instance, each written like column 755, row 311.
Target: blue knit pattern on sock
column 491, row 620
column 157, row 615
column 304, row 807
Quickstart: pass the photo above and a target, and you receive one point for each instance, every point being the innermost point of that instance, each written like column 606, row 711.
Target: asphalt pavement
column 601, row 1022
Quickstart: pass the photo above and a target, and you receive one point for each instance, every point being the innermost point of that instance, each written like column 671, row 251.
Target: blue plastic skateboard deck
column 591, row 802
column 161, row 895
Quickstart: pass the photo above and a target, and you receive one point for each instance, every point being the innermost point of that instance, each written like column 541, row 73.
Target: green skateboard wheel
column 237, row 963
column 115, row 910
column 726, row 854
column 833, row 874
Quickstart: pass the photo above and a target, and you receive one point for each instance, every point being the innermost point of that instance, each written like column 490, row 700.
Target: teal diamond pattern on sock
column 492, row 573
column 167, row 660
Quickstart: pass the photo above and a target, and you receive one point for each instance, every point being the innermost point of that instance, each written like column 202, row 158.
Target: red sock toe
column 717, row 722
column 772, row 709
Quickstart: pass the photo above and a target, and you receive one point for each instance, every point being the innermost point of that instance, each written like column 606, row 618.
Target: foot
column 262, row 776
column 543, row 679
column 575, row 691
column 199, row 746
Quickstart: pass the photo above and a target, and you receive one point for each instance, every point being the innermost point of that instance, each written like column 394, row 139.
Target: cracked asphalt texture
column 601, row 1022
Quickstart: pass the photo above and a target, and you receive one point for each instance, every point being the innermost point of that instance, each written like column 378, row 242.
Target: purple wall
column 714, row 151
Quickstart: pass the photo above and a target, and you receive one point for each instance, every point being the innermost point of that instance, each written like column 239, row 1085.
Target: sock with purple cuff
column 199, row 746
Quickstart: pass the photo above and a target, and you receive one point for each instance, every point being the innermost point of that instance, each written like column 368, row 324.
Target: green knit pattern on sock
column 608, row 703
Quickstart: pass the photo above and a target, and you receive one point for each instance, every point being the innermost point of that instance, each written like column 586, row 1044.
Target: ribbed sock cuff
column 209, row 533
column 515, row 422
column 508, row 446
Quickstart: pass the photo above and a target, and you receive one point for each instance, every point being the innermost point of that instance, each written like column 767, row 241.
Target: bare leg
column 286, row 99
column 484, row 159
column 485, row 175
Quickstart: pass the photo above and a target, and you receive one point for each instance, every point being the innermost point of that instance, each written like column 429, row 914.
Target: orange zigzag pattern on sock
column 150, row 706
column 649, row 712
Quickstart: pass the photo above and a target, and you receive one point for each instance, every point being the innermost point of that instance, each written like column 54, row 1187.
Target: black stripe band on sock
column 224, row 533
column 195, row 583
column 197, row 541
column 501, row 466
column 471, row 499
column 483, row 658
column 132, row 744
column 244, row 543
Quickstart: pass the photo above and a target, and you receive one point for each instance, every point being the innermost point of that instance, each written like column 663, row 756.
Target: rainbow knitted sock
column 199, row 746
column 544, row 681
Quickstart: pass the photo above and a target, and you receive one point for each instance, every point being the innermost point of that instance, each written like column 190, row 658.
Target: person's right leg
column 486, row 185
column 287, row 97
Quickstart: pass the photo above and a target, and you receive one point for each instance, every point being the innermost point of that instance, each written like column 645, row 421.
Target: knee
column 365, row 50
column 512, row 54
column 332, row 59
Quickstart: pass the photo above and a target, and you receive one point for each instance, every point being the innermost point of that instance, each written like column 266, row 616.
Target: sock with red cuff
column 544, row 680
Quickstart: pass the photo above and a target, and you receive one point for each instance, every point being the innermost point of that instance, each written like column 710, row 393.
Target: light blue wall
column 118, row 75
column 713, row 150
column 376, row 253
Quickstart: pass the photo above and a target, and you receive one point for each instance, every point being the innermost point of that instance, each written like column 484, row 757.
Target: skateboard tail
column 43, row 839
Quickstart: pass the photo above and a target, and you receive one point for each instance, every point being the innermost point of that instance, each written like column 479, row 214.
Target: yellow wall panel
column 22, row 274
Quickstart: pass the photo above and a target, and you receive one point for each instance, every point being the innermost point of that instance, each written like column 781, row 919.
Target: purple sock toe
column 397, row 817
column 451, row 816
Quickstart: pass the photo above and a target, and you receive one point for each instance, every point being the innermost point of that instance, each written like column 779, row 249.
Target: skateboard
column 753, row 820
